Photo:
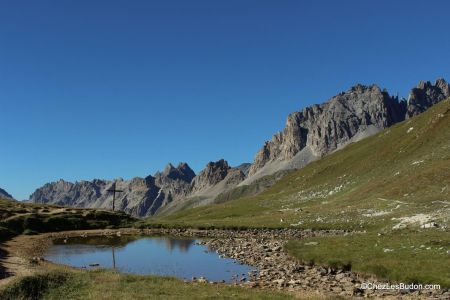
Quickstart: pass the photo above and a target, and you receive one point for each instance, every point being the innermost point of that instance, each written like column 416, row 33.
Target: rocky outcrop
column 425, row 95
column 347, row 117
column 216, row 178
column 72, row 194
column 139, row 197
column 213, row 173
column 4, row 195
column 143, row 196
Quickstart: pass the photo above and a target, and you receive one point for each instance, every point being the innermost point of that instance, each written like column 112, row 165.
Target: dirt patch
column 416, row 219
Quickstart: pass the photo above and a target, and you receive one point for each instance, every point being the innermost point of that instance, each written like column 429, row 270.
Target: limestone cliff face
column 324, row 127
column 425, row 95
column 349, row 116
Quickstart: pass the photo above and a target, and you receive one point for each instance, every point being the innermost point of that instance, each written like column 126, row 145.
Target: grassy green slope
column 385, row 186
column 399, row 172
column 18, row 217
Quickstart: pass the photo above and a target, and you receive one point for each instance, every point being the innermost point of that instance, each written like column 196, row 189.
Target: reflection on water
column 171, row 256
column 182, row 245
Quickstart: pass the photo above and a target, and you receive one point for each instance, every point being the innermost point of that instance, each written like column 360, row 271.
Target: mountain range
column 309, row 134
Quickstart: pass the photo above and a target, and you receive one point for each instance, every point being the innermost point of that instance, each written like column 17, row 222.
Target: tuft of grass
column 35, row 286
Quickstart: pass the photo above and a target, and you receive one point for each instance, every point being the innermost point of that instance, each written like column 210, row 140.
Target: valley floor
column 280, row 272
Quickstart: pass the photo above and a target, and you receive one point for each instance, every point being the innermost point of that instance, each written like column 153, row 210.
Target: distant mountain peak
column 5, row 195
column 426, row 94
column 181, row 172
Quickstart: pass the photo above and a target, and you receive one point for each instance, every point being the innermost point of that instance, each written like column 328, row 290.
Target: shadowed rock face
column 425, row 95
column 4, row 194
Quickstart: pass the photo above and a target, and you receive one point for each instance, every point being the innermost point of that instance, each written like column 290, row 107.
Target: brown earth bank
column 261, row 248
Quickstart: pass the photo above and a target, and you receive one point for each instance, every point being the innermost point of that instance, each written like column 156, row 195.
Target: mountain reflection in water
column 161, row 255
column 181, row 244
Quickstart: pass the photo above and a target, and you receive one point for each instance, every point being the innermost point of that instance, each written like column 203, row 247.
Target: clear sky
column 107, row 89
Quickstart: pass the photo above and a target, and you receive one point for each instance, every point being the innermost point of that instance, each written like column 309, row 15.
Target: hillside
column 392, row 188
column 5, row 195
column 400, row 172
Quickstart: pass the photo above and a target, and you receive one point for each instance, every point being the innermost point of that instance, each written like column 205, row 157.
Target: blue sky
column 107, row 89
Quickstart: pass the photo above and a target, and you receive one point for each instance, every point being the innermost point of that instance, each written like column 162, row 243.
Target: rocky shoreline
column 264, row 250
column 278, row 270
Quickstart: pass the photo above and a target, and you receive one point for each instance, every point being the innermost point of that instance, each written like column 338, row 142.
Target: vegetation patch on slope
column 26, row 218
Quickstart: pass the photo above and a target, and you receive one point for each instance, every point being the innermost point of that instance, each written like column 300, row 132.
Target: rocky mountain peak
column 325, row 127
column 217, row 165
column 181, row 172
column 213, row 173
column 442, row 84
column 168, row 169
column 4, row 194
column 361, row 88
column 347, row 117
column 426, row 94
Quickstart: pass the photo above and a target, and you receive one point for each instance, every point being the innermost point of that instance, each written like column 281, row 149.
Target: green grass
column 35, row 286
column 26, row 218
column 393, row 172
column 407, row 256
column 104, row 284
column 252, row 189
column 368, row 187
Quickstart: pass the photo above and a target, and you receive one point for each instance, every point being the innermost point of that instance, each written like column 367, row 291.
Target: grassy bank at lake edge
column 104, row 284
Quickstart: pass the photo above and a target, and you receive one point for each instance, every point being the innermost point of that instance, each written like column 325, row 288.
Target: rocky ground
column 263, row 249
column 279, row 270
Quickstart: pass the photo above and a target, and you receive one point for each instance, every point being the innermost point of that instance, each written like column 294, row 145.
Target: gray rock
column 347, row 117
column 140, row 196
column 213, row 173
column 143, row 196
column 426, row 95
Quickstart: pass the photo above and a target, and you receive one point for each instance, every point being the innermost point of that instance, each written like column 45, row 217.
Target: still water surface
column 167, row 256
